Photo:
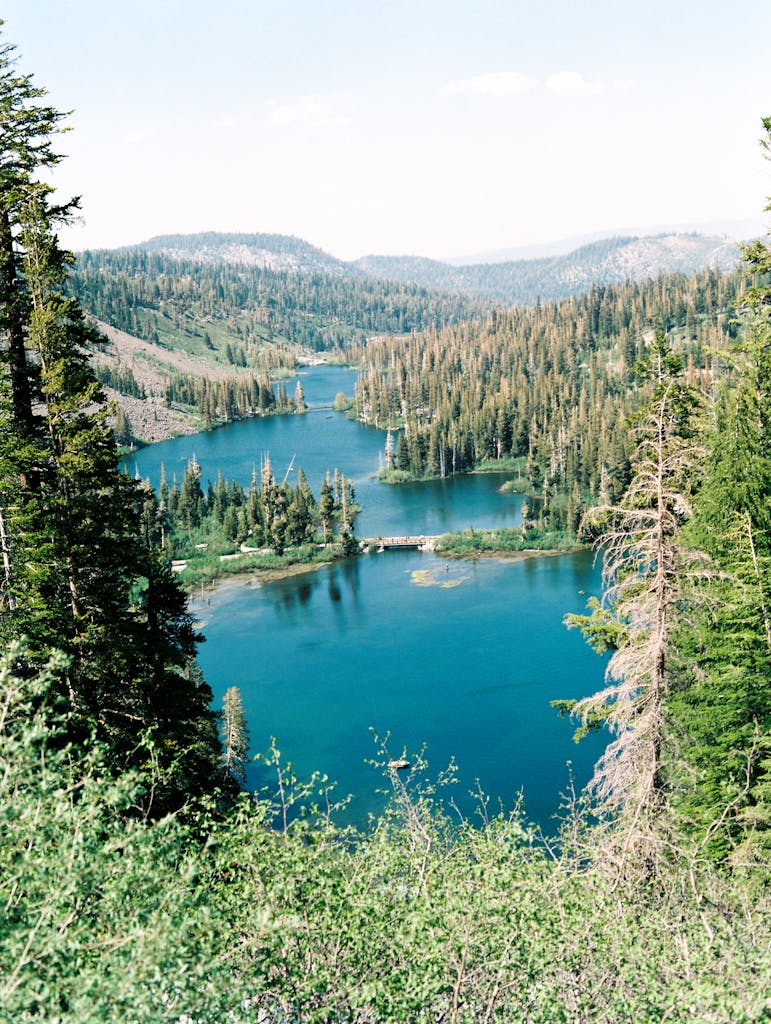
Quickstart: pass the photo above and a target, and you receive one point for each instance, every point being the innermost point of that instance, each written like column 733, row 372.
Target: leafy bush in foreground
column 108, row 916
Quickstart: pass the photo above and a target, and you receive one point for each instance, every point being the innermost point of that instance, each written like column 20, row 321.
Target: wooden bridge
column 421, row 543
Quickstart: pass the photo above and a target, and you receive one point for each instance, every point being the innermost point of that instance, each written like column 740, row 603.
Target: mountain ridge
column 514, row 282
column 731, row 230
column 601, row 262
column 281, row 253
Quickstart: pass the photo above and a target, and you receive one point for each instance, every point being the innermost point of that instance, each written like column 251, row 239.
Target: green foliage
column 80, row 569
column 103, row 911
column 395, row 476
column 471, row 542
column 419, row 918
column 228, row 400
column 723, row 703
column 547, row 391
column 600, row 628
column 272, row 528
column 120, row 377
column 342, row 402
column 252, row 311
column 644, row 568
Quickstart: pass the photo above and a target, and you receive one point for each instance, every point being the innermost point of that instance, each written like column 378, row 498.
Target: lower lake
column 460, row 656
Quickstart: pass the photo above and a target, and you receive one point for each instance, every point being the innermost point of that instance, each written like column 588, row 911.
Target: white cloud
column 496, row 83
column 313, row 109
column 573, row 83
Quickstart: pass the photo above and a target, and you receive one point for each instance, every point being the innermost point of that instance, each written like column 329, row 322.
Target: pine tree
column 348, row 542
column 26, row 147
column 191, row 499
column 724, row 706
column 78, row 575
column 326, row 507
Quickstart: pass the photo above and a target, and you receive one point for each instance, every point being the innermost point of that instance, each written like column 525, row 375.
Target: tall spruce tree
column 724, row 703
column 78, row 574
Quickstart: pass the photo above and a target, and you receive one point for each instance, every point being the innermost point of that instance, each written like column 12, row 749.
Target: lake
column 462, row 657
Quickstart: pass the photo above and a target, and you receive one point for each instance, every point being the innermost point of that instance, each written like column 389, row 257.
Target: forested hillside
column 199, row 340
column 137, row 883
column 552, row 385
column 525, row 282
column 242, row 307
column 612, row 260
column 252, row 305
column 269, row 252
column 227, row 295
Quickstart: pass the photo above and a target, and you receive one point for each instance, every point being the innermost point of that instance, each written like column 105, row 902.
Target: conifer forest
column 141, row 882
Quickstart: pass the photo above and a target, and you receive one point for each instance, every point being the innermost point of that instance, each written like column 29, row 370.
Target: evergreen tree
column 121, row 428
column 348, row 541
column 300, row 528
column 326, row 507
column 724, row 705
column 191, row 498
column 230, row 523
column 77, row 572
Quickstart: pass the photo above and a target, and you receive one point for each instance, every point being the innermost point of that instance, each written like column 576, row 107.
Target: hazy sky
column 428, row 127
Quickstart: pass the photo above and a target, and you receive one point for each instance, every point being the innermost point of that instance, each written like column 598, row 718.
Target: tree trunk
column 16, row 353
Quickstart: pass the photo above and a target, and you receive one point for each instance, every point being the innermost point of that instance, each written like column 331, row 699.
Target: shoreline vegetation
column 507, row 464
column 216, row 572
column 188, row 418
column 226, row 535
column 229, row 535
column 506, row 542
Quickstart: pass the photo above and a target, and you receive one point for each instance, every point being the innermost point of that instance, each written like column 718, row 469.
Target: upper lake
column 461, row 656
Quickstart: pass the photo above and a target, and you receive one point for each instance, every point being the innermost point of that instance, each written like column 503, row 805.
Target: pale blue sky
column 431, row 127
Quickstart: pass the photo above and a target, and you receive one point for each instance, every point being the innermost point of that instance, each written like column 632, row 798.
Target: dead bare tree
column 643, row 569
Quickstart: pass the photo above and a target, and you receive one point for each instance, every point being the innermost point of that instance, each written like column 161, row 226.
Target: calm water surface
column 321, row 440
column 461, row 656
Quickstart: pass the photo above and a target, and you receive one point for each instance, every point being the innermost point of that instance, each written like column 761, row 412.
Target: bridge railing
column 414, row 541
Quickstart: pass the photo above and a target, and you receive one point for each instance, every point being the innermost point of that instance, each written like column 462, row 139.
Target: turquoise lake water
column 462, row 657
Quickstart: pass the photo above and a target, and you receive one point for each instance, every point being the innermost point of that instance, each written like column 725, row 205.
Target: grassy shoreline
column 248, row 568
column 506, row 542
column 509, row 464
column 211, row 575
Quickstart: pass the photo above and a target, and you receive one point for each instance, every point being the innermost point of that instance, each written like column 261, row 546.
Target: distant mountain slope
column 236, row 305
column 269, row 252
column 513, row 282
column 523, row 282
column 240, row 299
column 206, row 300
column 741, row 230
